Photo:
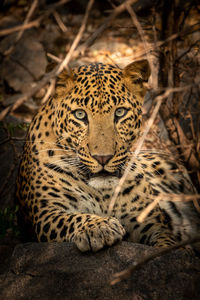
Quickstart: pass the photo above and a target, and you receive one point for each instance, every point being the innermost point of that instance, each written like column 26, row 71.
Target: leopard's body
column 77, row 149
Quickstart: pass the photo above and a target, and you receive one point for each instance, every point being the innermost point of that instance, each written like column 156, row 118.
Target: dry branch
column 50, row 90
column 23, row 27
column 59, row 21
column 117, row 277
column 54, row 58
column 167, row 197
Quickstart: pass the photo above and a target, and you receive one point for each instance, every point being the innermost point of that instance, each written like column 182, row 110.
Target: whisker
column 56, row 149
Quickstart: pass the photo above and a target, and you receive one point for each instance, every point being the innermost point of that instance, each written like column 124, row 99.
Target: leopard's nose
column 103, row 159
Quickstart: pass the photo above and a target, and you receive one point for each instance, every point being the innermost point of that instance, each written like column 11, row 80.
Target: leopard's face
column 98, row 114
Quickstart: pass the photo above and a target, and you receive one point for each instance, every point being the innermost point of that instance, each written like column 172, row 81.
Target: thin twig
column 23, row 27
column 167, row 197
column 127, row 273
column 55, row 58
column 59, row 21
column 187, row 51
column 188, row 153
column 50, row 90
column 148, row 209
column 4, row 112
column 28, row 17
column 138, row 148
column 142, row 36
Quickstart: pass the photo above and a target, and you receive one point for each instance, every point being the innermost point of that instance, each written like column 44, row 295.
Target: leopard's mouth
column 104, row 173
column 101, row 174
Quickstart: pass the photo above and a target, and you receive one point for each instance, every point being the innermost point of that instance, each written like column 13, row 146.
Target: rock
column 60, row 271
column 26, row 63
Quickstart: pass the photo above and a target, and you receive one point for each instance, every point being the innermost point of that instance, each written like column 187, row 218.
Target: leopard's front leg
column 152, row 231
column 87, row 231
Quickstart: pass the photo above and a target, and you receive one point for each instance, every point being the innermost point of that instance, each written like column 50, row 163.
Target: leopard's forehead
column 99, row 86
column 98, row 70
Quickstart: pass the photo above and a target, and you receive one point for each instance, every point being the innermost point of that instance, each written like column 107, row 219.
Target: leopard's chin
column 103, row 180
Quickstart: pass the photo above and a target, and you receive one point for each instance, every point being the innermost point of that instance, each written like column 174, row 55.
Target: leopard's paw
column 97, row 233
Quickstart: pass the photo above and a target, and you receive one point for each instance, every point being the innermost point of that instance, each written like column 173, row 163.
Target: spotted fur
column 77, row 148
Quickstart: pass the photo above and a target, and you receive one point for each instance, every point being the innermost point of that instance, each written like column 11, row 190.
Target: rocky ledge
column 60, row 271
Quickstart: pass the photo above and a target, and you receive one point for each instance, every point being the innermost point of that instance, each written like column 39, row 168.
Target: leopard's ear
column 138, row 71
column 65, row 82
column 135, row 74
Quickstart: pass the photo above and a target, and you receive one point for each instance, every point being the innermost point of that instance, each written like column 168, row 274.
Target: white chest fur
column 99, row 183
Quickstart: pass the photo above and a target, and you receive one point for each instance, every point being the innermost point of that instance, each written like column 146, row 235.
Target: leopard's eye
column 120, row 112
column 80, row 114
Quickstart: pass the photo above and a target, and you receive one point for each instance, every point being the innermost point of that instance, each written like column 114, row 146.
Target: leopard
column 77, row 149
